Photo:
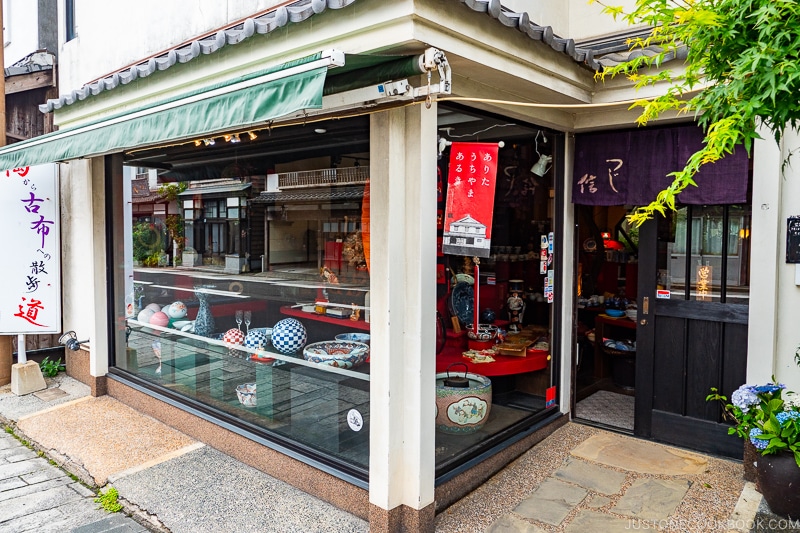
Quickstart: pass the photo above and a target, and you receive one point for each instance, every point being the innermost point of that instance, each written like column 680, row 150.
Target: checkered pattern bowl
column 257, row 338
column 233, row 337
column 288, row 336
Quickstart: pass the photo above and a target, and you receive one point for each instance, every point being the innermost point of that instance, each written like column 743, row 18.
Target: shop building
column 316, row 313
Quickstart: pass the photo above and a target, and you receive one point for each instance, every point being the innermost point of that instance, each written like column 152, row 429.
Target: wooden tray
column 516, row 349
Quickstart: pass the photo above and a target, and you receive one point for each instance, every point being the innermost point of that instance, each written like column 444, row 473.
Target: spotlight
column 209, row 142
column 198, row 142
column 70, row 340
column 227, row 138
column 235, row 138
column 252, row 135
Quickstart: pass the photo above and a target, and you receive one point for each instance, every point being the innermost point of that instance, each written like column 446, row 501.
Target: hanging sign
column 793, row 240
column 30, row 301
column 470, row 199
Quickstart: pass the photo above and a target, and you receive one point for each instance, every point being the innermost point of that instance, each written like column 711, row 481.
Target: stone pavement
column 37, row 496
column 578, row 479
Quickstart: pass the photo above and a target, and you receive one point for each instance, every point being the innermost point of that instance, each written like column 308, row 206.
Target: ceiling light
column 198, row 142
column 209, row 142
column 227, row 138
column 235, row 138
column 320, row 130
column 252, row 135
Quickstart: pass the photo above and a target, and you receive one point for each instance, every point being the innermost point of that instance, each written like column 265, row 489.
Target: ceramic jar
column 462, row 410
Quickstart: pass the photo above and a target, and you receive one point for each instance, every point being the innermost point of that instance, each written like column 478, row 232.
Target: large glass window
column 266, row 322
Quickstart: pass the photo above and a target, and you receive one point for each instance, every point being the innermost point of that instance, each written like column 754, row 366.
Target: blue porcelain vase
column 204, row 323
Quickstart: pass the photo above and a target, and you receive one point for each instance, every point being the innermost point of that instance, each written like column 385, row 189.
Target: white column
column 83, row 256
column 403, row 304
column 567, row 286
column 765, row 250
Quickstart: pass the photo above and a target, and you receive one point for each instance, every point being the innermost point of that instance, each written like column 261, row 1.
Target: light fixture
column 209, row 142
column 235, row 138
column 252, row 135
column 70, row 340
column 227, row 138
column 198, row 142
column 540, row 168
column 320, row 130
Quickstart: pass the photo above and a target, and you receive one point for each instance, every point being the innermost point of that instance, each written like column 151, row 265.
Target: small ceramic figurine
column 328, row 275
column 516, row 308
column 356, row 314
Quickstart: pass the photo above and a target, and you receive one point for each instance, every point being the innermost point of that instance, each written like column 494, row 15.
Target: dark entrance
column 693, row 296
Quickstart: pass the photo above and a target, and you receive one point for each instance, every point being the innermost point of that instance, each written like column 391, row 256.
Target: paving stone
column 116, row 523
column 652, row 499
column 597, row 501
column 594, row 477
column 49, row 472
column 36, row 521
column 639, row 456
column 551, row 502
column 82, row 490
column 11, row 483
column 511, row 524
column 38, row 501
column 30, row 489
column 586, row 521
column 16, row 453
column 22, row 467
column 48, row 395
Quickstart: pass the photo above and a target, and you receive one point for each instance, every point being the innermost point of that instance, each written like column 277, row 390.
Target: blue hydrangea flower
column 784, row 416
column 769, row 388
column 744, row 397
column 758, row 443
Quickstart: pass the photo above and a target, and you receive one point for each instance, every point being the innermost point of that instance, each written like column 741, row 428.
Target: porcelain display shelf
column 503, row 365
column 344, row 322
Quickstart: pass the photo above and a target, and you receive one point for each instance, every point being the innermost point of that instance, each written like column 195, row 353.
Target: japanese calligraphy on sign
column 470, row 199
column 31, row 298
column 704, row 280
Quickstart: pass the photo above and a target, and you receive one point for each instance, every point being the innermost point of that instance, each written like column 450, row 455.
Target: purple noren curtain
column 632, row 167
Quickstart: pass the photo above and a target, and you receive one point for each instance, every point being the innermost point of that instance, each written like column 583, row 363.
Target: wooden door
column 693, row 296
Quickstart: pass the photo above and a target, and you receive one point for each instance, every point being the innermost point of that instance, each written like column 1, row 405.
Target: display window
column 509, row 360
column 262, row 316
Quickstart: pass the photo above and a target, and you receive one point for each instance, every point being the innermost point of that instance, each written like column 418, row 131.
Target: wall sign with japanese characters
column 30, row 301
column 793, row 240
column 470, row 199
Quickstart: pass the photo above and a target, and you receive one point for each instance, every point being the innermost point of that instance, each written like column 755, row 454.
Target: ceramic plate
column 462, row 302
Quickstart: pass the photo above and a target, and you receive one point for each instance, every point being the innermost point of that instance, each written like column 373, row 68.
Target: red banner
column 470, row 199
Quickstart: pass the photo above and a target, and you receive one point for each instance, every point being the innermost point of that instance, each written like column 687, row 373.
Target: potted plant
column 769, row 417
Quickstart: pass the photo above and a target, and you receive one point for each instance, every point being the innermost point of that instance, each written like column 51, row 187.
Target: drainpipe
column 6, row 349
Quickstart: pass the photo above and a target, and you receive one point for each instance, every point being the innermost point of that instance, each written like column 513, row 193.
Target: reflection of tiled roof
column 217, row 188
column 149, row 199
column 310, row 195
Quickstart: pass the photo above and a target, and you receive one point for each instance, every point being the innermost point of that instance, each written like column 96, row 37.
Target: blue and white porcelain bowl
column 246, row 392
column 341, row 354
column 353, row 336
column 288, row 336
column 257, row 338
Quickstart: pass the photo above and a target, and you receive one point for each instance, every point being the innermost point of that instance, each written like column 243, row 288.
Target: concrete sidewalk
column 578, row 479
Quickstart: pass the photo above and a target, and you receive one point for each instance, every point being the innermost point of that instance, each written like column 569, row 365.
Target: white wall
column 21, row 33
column 575, row 19
column 787, row 293
column 110, row 36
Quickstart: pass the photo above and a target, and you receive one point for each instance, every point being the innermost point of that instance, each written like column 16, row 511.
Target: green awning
column 237, row 104
column 362, row 70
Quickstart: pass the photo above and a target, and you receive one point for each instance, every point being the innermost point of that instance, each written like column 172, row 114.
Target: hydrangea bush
column 767, row 415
